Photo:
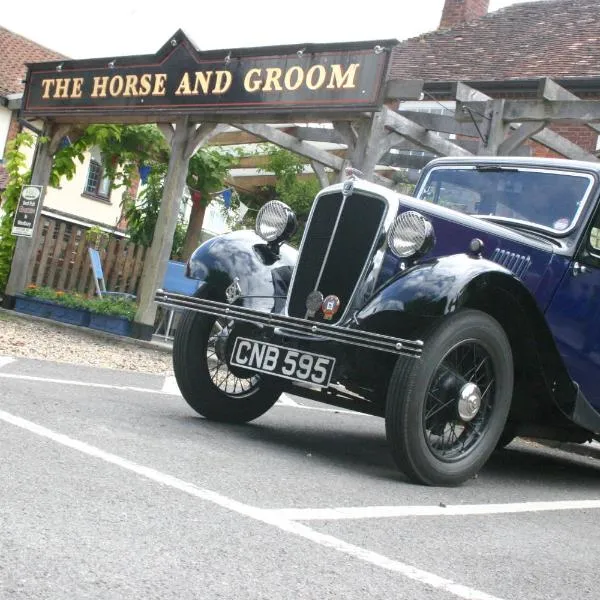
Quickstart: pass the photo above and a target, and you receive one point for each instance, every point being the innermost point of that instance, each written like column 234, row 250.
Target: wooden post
column 157, row 257
column 23, row 258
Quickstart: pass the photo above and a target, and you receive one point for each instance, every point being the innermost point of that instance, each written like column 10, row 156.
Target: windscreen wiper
column 495, row 169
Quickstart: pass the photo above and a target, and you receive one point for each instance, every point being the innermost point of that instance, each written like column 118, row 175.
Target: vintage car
column 465, row 316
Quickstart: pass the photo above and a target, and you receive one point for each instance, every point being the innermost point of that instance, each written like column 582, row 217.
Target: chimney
column 457, row 12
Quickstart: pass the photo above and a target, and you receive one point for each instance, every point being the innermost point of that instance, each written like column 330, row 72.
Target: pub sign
column 181, row 80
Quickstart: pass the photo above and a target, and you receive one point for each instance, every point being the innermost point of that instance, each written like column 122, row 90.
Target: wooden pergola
column 481, row 125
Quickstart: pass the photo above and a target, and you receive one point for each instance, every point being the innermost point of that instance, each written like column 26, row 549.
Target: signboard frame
column 27, row 211
column 179, row 80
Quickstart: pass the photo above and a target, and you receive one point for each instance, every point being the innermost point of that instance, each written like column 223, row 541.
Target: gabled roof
column 555, row 38
column 15, row 51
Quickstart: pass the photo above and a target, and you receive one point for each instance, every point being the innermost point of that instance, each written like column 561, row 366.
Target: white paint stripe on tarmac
column 169, row 388
column 107, row 386
column 6, row 360
column 264, row 516
column 379, row 512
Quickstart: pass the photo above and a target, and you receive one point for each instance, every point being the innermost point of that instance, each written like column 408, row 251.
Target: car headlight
column 410, row 235
column 275, row 222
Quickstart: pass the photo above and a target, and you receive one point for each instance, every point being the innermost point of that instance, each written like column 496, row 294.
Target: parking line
column 268, row 517
column 169, row 388
column 6, row 360
column 380, row 512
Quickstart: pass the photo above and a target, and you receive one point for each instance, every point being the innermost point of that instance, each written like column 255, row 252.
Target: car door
column 574, row 315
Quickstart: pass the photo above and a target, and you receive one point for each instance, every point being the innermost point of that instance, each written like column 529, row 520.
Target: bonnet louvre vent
column 517, row 263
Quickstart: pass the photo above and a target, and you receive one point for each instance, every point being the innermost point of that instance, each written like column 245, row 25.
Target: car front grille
column 338, row 244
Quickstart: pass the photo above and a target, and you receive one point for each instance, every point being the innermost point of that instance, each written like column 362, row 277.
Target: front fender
column 420, row 297
column 263, row 275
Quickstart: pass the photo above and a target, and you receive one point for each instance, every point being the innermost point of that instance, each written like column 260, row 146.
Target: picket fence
column 62, row 260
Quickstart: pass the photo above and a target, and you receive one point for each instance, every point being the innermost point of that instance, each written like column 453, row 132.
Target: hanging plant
column 18, row 176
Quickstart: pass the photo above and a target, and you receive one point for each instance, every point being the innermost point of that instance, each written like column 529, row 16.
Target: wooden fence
column 62, row 261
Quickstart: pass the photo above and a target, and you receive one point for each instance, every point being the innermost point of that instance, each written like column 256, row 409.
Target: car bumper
column 292, row 325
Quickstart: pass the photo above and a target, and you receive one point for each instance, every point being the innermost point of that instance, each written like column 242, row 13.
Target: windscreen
column 543, row 198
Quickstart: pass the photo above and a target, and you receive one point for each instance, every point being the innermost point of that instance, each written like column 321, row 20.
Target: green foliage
column 298, row 193
column 18, row 176
column 96, row 237
column 142, row 215
column 206, row 172
column 106, row 305
column 123, row 148
column 178, row 241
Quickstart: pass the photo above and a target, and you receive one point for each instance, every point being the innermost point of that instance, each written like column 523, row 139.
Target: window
column 97, row 183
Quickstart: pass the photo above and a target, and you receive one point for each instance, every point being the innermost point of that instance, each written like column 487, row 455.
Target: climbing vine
column 18, row 176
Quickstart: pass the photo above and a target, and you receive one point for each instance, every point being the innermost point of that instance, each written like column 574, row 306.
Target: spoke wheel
column 453, row 421
column 205, row 380
column 220, row 374
column 445, row 412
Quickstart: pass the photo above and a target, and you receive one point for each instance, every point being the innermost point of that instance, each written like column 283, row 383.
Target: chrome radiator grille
column 338, row 243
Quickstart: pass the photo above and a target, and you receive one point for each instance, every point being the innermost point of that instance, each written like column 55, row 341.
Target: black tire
column 422, row 405
column 198, row 376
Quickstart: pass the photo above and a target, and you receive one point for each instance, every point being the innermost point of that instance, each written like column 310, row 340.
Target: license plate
column 282, row 362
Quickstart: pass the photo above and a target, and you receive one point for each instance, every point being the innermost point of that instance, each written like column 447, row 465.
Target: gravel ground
column 22, row 336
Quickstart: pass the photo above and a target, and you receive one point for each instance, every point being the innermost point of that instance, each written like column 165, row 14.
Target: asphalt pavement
column 112, row 487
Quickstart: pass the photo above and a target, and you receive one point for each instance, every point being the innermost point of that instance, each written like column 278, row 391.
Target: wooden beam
column 167, row 130
column 519, row 136
column 419, row 135
column 440, row 123
column 284, row 140
column 316, row 134
column 234, row 138
column 346, row 132
column 320, row 172
column 552, row 91
column 561, row 110
column 562, row 145
column 465, row 93
column 404, row 89
column 202, row 134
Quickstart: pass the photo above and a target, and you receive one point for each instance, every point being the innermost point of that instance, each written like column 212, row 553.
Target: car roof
column 526, row 161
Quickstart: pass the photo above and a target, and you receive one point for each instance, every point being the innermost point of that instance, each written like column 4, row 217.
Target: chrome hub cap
column 469, row 401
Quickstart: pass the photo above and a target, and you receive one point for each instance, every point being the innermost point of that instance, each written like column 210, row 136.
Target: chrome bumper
column 293, row 325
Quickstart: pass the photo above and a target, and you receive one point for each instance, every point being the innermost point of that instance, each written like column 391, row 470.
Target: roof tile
column 15, row 51
column 550, row 38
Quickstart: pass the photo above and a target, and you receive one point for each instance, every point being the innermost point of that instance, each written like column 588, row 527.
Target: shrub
column 105, row 305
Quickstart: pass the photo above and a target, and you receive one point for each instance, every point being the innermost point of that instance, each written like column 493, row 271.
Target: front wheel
column 205, row 380
column 446, row 412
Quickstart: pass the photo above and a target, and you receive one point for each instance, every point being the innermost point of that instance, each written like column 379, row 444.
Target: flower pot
column 110, row 323
column 50, row 310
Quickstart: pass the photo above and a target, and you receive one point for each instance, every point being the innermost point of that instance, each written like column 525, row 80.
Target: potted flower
column 112, row 313
column 67, row 307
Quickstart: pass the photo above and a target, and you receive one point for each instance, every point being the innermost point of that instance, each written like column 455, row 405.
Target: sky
column 108, row 28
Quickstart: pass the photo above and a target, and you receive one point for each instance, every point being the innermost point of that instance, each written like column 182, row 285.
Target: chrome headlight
column 410, row 235
column 275, row 222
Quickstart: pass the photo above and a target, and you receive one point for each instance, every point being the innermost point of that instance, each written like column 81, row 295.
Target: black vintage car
column 465, row 316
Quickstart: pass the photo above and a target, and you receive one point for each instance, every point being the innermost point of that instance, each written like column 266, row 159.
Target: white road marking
column 379, row 512
column 6, row 360
column 169, row 388
column 107, row 386
column 265, row 516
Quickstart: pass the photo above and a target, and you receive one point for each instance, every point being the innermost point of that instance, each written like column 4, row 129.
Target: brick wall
column 460, row 11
